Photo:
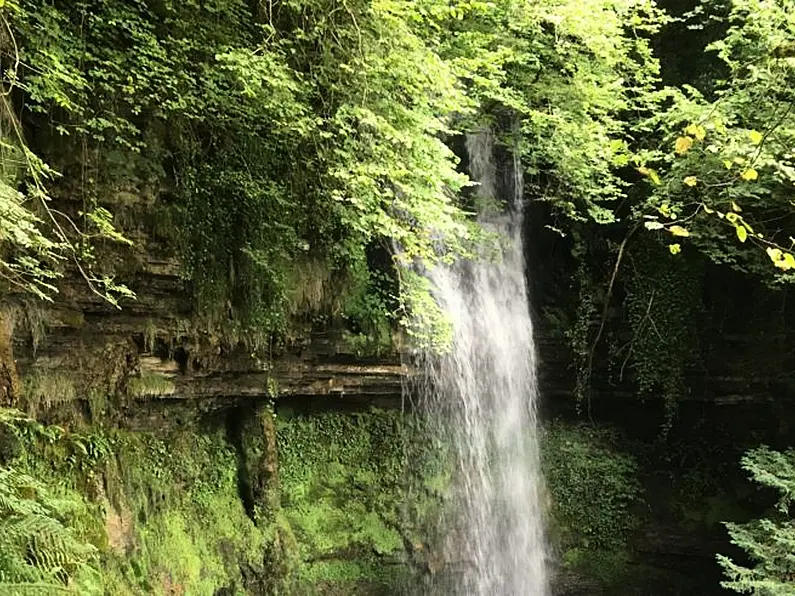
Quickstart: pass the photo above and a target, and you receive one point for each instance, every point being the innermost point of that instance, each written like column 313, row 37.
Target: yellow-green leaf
column 742, row 233
column 774, row 253
column 727, row 164
column 683, row 145
column 755, row 136
column 691, row 180
column 785, row 260
column 736, row 207
column 749, row 174
column 653, row 225
column 678, row 231
column 654, row 177
column 651, row 174
column 675, row 249
column 697, row 131
column 666, row 210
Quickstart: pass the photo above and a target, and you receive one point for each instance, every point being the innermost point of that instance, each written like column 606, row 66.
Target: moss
column 166, row 515
column 45, row 389
column 593, row 489
column 192, row 531
column 150, row 385
column 188, row 531
column 358, row 494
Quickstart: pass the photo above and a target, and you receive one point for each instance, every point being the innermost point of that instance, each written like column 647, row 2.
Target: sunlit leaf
column 678, row 231
column 736, row 207
column 683, row 145
column 755, row 136
column 649, row 173
column 749, row 174
column 786, row 262
column 742, row 233
column 775, row 254
column 697, row 131
column 691, row 181
column 675, row 249
column 653, row 225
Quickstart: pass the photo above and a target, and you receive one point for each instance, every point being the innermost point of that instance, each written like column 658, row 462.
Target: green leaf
column 742, row 233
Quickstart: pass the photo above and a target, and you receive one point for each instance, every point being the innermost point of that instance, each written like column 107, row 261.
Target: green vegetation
column 768, row 542
column 301, row 157
column 150, row 385
column 124, row 513
column 594, row 490
column 40, row 551
column 198, row 510
column 360, row 497
column 298, row 136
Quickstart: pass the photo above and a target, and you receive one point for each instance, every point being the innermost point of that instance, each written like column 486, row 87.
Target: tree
column 769, row 542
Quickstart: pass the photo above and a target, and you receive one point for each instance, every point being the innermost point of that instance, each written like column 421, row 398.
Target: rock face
column 148, row 365
column 82, row 349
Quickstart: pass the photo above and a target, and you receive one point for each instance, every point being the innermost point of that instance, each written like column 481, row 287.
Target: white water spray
column 486, row 389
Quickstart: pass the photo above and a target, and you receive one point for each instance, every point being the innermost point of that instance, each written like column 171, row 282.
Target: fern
column 39, row 552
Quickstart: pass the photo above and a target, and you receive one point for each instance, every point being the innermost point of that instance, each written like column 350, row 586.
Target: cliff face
column 118, row 361
column 149, row 368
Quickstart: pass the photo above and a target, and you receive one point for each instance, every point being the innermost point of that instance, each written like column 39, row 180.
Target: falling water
column 486, row 390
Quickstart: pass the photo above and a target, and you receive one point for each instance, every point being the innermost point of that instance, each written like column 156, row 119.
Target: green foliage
column 173, row 518
column 704, row 171
column 310, row 130
column 768, row 542
column 663, row 299
column 725, row 163
column 593, row 488
column 191, row 531
column 143, row 513
column 357, row 495
column 47, row 535
column 36, row 238
column 369, row 309
column 39, row 552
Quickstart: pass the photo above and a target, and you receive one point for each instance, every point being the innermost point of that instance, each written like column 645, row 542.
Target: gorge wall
column 246, row 169
column 149, row 375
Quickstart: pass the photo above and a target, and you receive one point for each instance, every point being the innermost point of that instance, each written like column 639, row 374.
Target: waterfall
column 485, row 391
